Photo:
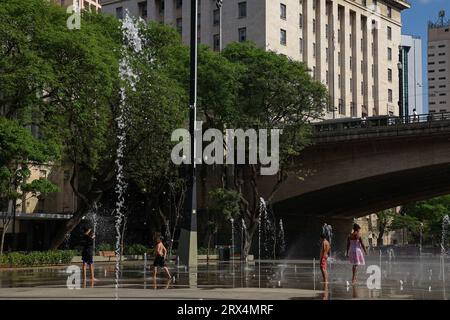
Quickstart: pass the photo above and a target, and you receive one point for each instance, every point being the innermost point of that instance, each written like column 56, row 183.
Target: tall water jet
column 445, row 223
column 268, row 229
column 243, row 227
column 262, row 205
column 282, row 240
column 131, row 42
column 232, row 242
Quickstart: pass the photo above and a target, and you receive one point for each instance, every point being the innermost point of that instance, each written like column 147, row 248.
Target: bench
column 108, row 254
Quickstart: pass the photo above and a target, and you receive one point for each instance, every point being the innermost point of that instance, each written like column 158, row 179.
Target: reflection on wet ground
column 411, row 278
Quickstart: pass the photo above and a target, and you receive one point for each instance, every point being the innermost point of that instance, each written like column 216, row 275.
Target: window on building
column 389, row 12
column 339, row 81
column 339, row 59
column 179, row 4
column 283, row 13
column 142, row 8
column 441, row 54
column 300, row 20
column 389, row 50
column 314, row 25
column 179, row 23
column 314, row 49
column 389, row 33
column 242, row 8
column 390, row 96
column 364, row 2
column 362, row 87
column 216, row 41
column 301, row 45
column 283, row 37
column 119, row 13
column 351, row 84
column 327, row 52
column 327, row 30
column 390, row 75
column 242, row 34
column 216, row 17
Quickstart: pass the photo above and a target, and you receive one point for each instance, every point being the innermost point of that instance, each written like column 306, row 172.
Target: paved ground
column 423, row 279
column 173, row 294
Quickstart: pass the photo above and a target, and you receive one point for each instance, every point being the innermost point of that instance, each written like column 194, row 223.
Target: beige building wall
column 93, row 5
column 63, row 201
column 345, row 43
column 439, row 69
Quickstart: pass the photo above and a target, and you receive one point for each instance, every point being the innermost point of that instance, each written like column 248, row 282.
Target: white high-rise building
column 351, row 46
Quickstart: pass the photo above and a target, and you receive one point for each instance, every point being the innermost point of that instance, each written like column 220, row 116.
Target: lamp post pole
column 188, row 233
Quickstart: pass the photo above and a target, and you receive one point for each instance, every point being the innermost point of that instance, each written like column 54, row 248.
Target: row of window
column 440, row 70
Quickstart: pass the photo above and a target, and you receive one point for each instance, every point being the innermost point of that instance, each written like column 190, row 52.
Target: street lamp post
column 188, row 234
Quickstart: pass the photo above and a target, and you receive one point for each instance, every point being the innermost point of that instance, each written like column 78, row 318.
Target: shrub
column 135, row 249
column 204, row 251
column 37, row 258
column 103, row 247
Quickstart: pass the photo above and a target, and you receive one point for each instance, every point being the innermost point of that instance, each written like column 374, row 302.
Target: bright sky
column 415, row 22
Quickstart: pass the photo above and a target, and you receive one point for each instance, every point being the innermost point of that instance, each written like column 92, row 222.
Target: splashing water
column 131, row 41
column 445, row 223
column 282, row 238
column 232, row 240
column 268, row 229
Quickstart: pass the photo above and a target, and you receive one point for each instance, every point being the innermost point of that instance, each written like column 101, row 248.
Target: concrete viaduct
column 357, row 171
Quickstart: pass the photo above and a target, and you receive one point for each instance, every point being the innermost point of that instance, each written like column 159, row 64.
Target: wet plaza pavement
column 402, row 278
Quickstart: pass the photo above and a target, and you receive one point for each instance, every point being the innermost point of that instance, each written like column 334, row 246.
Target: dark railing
column 377, row 121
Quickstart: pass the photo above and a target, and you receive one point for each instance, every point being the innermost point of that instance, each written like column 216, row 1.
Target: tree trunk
column 3, row 241
column 6, row 223
column 69, row 226
column 249, row 233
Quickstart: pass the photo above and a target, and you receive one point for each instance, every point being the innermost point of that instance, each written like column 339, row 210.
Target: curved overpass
column 355, row 172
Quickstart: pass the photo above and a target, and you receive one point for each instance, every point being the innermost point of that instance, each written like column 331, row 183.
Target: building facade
column 351, row 46
column 93, row 5
column 410, row 72
column 439, row 67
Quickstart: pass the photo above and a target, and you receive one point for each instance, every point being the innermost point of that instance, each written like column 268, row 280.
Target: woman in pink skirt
column 355, row 248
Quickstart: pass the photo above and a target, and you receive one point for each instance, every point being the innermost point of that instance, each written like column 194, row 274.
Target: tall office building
column 93, row 5
column 351, row 46
column 410, row 82
column 439, row 65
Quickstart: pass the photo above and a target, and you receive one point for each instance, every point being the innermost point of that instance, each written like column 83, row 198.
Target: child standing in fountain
column 160, row 256
column 324, row 257
column 88, row 252
column 355, row 248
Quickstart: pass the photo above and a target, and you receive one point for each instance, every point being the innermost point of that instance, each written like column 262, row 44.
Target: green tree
column 431, row 213
column 223, row 206
column 261, row 89
column 19, row 150
column 66, row 83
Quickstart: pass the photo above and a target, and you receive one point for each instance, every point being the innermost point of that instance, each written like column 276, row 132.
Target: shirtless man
column 324, row 256
column 160, row 256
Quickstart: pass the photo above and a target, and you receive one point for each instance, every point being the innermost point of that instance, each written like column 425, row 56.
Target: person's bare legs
column 167, row 272
column 91, row 269
column 84, row 271
column 354, row 270
column 324, row 275
column 155, row 271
